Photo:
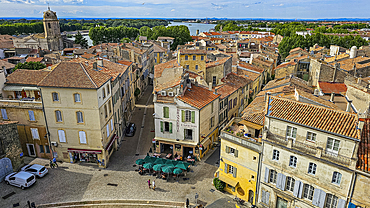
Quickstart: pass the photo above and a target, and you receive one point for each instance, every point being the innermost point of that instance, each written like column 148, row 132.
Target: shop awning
column 250, row 124
column 12, row 88
column 31, row 88
column 114, row 137
column 84, row 151
column 228, row 180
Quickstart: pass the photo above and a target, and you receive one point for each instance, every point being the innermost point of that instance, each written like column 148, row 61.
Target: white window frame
column 331, row 145
column 272, row 176
column 62, row 136
column 187, row 116
column 4, row 114
column 311, row 137
column 291, row 132
column 77, row 97
column 275, row 155
column 337, row 177
column 163, row 93
column 82, row 136
column 331, row 201
column 293, row 161
column 308, row 191
column 312, row 167
column 31, row 115
column 230, row 169
column 35, row 133
column 170, row 94
column 108, row 132
column 290, row 181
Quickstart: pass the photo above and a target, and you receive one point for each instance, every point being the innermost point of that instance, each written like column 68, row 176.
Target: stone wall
column 10, row 146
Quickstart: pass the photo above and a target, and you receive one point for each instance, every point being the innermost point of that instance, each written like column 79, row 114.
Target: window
column 3, row 113
column 188, row 134
column 312, row 168
column 291, row 132
column 230, row 104
column 49, row 25
column 232, row 151
column 265, row 197
column 273, row 174
column 111, row 125
column 211, row 107
column 62, row 135
column 221, row 105
column 110, row 107
column 166, row 126
column 58, row 116
column 47, row 149
column 186, row 57
column 202, row 58
column 187, row 116
column 308, row 191
column 275, row 154
column 332, row 146
column 187, row 66
column 31, row 115
column 311, row 137
column 214, row 80
column 105, row 111
column 41, row 149
column 108, row 132
column 55, row 96
column 196, row 67
column 166, row 112
column 235, row 102
column 194, row 58
column 290, row 184
column 108, row 90
column 230, row 169
column 103, row 93
column 77, row 97
column 331, row 201
column 212, row 122
column 293, row 161
column 82, row 136
column 336, row 178
column 80, row 118
column 35, row 133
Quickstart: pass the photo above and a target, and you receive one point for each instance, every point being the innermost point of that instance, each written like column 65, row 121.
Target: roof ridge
column 48, row 73
column 88, row 75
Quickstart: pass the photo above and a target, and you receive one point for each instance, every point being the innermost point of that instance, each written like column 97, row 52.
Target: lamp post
column 196, row 199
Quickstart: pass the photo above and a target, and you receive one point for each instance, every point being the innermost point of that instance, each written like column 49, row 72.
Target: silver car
column 35, row 169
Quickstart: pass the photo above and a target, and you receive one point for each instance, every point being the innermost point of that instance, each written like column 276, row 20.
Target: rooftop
column 192, row 51
column 332, row 87
column 26, row 76
column 198, row 96
column 158, row 69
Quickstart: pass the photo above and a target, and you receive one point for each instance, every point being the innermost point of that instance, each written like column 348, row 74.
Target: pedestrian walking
column 154, row 185
column 55, row 162
column 149, row 183
column 51, row 164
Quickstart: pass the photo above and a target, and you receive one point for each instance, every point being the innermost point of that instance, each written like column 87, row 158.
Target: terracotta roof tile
column 348, row 64
column 225, row 90
column 363, row 162
column 26, row 77
column 6, row 64
column 166, row 85
column 291, row 63
column 243, row 65
column 158, row 69
column 329, row 87
column 218, row 62
column 249, row 75
column 34, row 59
column 75, row 75
column 236, row 80
column 198, row 96
column 338, row 122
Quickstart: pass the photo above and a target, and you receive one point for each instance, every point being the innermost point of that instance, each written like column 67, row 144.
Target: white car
column 37, row 170
column 21, row 179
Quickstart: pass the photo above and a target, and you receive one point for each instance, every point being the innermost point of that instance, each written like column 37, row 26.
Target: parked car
column 21, row 179
column 130, row 130
column 35, row 169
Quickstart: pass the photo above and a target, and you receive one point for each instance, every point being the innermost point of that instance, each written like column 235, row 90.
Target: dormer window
column 163, row 93
column 170, row 93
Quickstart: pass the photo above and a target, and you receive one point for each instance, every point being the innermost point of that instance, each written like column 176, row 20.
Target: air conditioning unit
column 54, row 144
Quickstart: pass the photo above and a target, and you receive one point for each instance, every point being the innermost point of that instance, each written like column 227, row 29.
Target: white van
column 21, row 179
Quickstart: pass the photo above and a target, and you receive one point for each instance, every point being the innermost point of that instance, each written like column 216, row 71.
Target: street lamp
column 196, row 199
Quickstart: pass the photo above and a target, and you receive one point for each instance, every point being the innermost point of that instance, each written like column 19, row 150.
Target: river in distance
column 193, row 27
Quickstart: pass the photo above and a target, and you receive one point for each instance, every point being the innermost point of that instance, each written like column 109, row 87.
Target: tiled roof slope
column 329, row 87
column 338, row 122
column 255, row 111
column 198, row 96
column 75, row 75
column 26, row 77
column 363, row 162
column 34, row 59
column 158, row 69
column 6, row 64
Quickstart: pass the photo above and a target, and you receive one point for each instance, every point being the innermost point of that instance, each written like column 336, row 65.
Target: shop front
column 177, row 148
column 84, row 155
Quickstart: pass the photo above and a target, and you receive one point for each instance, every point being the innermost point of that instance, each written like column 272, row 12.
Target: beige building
column 309, row 155
column 78, row 106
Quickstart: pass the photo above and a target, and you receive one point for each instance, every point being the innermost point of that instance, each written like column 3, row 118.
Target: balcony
column 337, row 158
column 21, row 103
column 276, row 138
column 303, row 147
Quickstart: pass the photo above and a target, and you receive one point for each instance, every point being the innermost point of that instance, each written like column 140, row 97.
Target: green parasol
column 167, row 169
column 177, row 171
column 149, row 159
column 158, row 167
column 182, row 165
column 160, row 161
column 148, row 165
column 171, row 163
column 139, row 162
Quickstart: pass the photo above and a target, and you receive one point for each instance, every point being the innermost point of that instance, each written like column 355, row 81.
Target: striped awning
column 19, row 88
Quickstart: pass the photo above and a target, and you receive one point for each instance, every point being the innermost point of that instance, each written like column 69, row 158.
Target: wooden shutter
column 3, row 112
column 267, row 197
column 225, row 168
column 31, row 115
column 82, row 135
column 297, row 191
column 236, row 153
column 322, row 199
column 171, row 127
column 193, row 116
column 161, row 126
column 183, row 116
column 278, row 181
column 234, row 172
column 62, row 136
column 283, row 181
column 111, row 125
column 263, row 198
column 267, row 172
column 341, row 203
column 227, row 149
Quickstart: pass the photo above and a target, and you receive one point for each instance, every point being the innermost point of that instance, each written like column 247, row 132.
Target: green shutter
column 193, row 116
column 184, row 133
column 227, row 149
column 234, row 172
column 161, row 126
column 171, row 127
column 183, row 116
column 236, row 153
column 166, row 112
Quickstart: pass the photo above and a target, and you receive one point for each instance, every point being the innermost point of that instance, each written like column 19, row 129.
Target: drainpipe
column 46, row 124
column 353, row 182
column 258, row 176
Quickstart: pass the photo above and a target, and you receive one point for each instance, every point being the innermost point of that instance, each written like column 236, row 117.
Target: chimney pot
column 332, row 97
column 210, row 86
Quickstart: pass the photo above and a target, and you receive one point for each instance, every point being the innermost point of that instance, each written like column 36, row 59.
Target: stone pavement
column 80, row 182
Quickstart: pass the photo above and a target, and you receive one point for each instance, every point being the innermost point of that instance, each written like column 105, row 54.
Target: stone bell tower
column 52, row 30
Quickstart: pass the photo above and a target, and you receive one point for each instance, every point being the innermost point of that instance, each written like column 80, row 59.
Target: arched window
column 77, row 98
column 80, row 118
column 58, row 116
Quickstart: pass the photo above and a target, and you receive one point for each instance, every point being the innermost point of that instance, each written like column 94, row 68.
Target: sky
column 280, row 9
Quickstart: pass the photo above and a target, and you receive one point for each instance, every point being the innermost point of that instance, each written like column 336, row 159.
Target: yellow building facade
column 193, row 60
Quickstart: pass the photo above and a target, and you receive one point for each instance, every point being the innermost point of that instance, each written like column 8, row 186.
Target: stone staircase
column 132, row 203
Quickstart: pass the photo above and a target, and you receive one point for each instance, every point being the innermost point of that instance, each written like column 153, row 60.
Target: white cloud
column 278, row 5
column 172, row 10
column 247, row 6
column 218, row 6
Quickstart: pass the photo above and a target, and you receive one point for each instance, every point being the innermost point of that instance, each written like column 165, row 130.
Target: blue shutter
column 297, row 191
column 316, row 197
column 341, row 203
column 267, row 171
column 278, row 181
column 225, row 168
column 322, row 199
column 267, row 198
column 282, row 181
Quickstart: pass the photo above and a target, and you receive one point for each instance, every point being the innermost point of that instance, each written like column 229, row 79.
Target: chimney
column 359, row 81
column 95, row 66
column 210, row 86
column 100, row 62
column 332, row 97
column 155, row 97
column 267, row 94
column 349, row 106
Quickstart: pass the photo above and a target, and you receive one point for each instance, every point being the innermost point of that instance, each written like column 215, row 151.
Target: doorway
column 166, row 148
column 281, row 203
column 31, row 150
column 250, row 196
column 187, row 151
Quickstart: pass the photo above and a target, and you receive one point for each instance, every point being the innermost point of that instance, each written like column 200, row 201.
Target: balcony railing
column 336, row 157
column 303, row 147
column 249, row 142
column 277, row 138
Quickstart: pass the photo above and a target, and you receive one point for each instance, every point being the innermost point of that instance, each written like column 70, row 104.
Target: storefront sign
column 178, row 120
column 189, row 125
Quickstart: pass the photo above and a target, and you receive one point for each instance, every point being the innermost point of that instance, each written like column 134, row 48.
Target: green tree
column 30, row 65
column 219, row 185
column 79, row 39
